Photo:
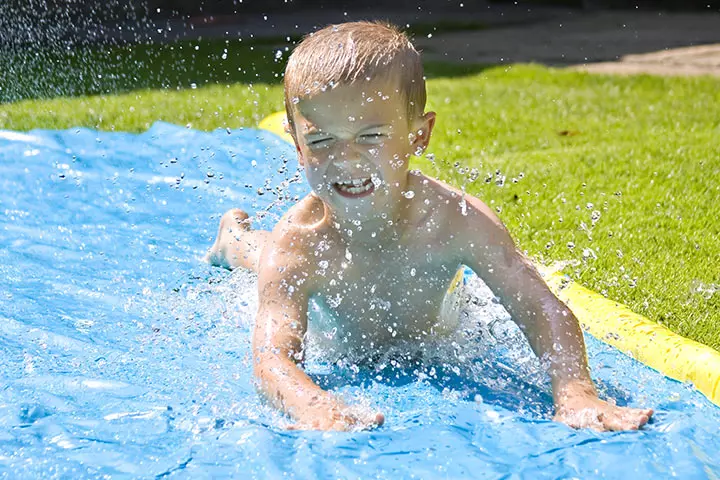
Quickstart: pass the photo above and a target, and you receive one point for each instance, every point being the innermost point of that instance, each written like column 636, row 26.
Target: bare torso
column 391, row 289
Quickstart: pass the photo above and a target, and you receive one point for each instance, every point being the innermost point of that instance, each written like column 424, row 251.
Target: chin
column 358, row 210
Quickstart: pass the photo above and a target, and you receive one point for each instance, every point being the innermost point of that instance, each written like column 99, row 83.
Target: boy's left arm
column 550, row 327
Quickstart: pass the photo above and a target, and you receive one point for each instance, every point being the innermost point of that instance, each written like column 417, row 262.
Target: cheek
column 315, row 161
column 314, row 171
column 396, row 157
column 398, row 161
column 391, row 153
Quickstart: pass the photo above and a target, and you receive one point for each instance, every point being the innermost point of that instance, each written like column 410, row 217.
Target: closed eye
column 372, row 138
column 319, row 142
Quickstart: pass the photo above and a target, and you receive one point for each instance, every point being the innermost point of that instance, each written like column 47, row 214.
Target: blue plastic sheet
column 123, row 354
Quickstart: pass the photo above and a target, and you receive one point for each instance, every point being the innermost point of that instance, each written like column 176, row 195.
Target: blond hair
column 353, row 52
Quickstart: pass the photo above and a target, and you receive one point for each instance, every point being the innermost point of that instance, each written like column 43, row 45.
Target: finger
column 626, row 418
column 635, row 417
column 641, row 416
column 379, row 419
column 364, row 420
column 374, row 419
column 616, row 422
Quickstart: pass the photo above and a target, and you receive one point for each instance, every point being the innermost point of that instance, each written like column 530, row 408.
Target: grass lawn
column 619, row 176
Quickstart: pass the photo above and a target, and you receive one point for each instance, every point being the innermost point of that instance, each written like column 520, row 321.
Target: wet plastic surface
column 122, row 354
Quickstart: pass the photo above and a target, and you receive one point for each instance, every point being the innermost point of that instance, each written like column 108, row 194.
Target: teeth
column 355, row 186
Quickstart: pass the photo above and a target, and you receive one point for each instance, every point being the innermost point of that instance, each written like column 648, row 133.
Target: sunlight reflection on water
column 122, row 353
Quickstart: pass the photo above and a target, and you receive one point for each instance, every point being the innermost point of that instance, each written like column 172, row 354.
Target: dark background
column 65, row 24
column 181, row 8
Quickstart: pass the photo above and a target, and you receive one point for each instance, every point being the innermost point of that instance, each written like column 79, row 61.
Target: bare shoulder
column 470, row 228
column 460, row 211
column 288, row 255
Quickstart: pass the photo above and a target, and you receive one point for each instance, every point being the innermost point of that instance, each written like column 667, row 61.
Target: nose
column 347, row 154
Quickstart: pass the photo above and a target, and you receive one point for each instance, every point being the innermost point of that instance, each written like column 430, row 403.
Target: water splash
column 124, row 355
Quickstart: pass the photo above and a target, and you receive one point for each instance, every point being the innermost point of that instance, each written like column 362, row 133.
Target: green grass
column 642, row 152
column 623, row 169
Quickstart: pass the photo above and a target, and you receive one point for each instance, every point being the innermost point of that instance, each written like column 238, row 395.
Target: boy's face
column 354, row 142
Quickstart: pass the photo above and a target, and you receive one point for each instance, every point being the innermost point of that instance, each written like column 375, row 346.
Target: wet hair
column 353, row 52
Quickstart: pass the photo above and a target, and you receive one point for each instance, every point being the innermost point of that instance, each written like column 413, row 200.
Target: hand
column 588, row 411
column 339, row 417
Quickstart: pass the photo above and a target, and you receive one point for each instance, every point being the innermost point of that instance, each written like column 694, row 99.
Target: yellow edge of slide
column 648, row 342
column 275, row 123
column 615, row 324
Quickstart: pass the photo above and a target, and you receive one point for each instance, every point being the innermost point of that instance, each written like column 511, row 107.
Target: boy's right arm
column 280, row 326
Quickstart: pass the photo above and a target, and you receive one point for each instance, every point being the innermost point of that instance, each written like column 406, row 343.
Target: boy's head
column 355, row 101
column 351, row 54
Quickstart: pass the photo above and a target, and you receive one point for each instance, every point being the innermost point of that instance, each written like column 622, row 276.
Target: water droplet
column 408, row 194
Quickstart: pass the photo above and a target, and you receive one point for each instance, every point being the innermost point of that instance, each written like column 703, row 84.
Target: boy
column 382, row 244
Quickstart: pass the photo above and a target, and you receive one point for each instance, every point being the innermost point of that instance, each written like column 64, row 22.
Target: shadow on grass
column 107, row 70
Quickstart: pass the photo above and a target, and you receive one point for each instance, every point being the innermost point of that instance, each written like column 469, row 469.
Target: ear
column 301, row 159
column 422, row 130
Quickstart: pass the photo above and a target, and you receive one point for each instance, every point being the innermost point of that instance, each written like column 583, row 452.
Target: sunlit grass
column 618, row 175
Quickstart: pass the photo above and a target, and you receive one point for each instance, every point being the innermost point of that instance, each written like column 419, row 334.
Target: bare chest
column 394, row 293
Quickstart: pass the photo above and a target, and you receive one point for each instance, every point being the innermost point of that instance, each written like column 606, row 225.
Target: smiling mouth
column 355, row 188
